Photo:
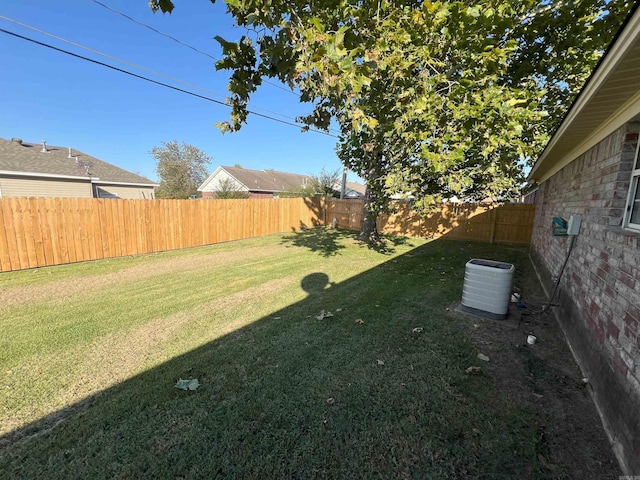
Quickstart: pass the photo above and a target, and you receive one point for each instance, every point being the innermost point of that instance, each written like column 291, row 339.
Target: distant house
column 41, row 170
column 590, row 169
column 257, row 183
column 265, row 183
column 352, row 190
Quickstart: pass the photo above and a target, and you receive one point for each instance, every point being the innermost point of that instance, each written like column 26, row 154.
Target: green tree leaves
column 432, row 99
column 230, row 189
column 181, row 168
column 326, row 182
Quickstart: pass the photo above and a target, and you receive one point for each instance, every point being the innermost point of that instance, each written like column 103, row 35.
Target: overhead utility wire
column 157, row 31
column 160, row 74
column 178, row 41
column 166, row 85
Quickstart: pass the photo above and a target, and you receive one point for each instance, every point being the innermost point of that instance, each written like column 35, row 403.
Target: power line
column 156, row 31
column 166, row 85
column 153, row 72
column 178, row 41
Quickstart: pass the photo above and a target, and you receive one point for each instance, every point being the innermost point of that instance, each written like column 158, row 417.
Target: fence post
column 324, row 202
column 494, row 220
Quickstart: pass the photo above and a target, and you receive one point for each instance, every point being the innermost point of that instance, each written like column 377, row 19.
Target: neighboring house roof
column 351, row 189
column 272, row 181
column 610, row 98
column 261, row 180
column 354, row 190
column 29, row 159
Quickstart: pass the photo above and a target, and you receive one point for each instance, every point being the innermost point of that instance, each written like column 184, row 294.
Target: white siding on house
column 45, row 187
column 213, row 183
column 126, row 192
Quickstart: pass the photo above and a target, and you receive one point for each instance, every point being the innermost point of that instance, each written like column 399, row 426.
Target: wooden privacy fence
column 508, row 223
column 36, row 232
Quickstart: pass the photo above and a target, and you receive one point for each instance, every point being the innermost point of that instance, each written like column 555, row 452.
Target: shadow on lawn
column 290, row 396
column 323, row 240
column 327, row 241
column 387, row 244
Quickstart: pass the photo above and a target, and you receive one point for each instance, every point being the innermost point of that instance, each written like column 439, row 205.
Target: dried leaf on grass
column 324, row 314
column 330, row 401
column 472, row 369
column 546, row 464
column 483, row 357
column 187, row 384
column 380, row 362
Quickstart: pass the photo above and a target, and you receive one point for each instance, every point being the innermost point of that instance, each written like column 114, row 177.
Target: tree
column 302, row 192
column 229, row 188
column 452, row 97
column 325, row 182
column 181, row 168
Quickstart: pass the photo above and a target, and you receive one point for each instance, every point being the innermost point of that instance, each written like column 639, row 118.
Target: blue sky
column 46, row 95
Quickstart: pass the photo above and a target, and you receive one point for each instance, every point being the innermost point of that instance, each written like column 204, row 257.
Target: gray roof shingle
column 26, row 157
column 268, row 180
column 356, row 187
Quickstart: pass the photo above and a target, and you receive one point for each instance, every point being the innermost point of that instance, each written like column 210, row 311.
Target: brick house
column 256, row 183
column 266, row 183
column 591, row 168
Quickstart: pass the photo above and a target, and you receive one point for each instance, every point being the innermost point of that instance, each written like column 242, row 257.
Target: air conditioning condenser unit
column 487, row 288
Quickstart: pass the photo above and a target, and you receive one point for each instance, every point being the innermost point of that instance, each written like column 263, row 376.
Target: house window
column 633, row 203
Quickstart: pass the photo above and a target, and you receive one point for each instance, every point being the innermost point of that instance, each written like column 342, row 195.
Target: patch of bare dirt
column 544, row 378
column 63, row 289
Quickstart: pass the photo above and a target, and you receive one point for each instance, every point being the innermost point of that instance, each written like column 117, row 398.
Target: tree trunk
column 369, row 231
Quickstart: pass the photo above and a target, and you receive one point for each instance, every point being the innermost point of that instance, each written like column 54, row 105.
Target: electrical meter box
column 573, row 227
column 558, row 226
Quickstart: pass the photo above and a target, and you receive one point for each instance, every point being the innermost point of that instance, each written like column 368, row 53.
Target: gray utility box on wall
column 487, row 288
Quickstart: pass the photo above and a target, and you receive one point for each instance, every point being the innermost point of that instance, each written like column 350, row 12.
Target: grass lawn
column 90, row 354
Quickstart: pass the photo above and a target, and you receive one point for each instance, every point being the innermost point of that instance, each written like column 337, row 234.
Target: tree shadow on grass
column 291, row 396
column 329, row 241
column 325, row 241
column 386, row 243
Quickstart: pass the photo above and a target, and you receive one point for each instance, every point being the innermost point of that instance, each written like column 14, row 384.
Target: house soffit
column 609, row 99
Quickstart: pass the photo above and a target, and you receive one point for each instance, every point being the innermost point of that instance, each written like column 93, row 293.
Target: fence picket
column 5, row 258
column 28, row 231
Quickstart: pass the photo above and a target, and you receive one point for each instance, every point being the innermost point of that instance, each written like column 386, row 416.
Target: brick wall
column 600, row 288
column 260, row 195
